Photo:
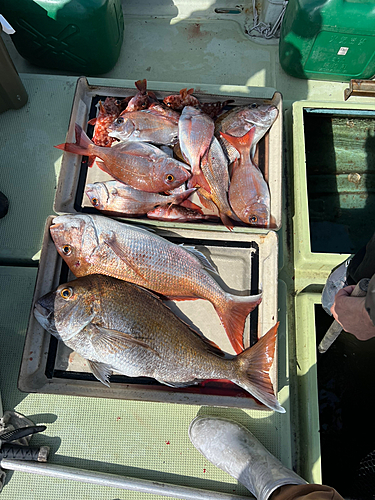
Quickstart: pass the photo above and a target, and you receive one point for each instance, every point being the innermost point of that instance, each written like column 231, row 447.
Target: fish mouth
column 46, row 304
column 44, row 313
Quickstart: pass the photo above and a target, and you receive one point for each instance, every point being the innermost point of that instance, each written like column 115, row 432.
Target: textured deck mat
column 29, row 164
column 137, row 439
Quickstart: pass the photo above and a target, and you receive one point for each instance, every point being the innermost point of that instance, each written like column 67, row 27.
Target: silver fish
column 116, row 198
column 118, row 326
column 239, row 120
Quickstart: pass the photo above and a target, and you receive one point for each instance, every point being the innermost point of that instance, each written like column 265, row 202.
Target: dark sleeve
column 362, row 264
column 370, row 299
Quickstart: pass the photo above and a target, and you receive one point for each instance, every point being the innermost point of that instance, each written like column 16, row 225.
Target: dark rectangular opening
column 346, row 390
column 340, row 167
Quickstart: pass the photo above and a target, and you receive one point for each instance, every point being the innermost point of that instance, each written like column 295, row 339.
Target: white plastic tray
column 246, row 263
column 75, row 175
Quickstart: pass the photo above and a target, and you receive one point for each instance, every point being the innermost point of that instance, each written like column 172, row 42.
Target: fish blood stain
column 167, row 442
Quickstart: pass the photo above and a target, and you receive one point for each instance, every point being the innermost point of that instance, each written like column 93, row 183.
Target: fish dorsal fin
column 101, row 371
column 101, row 108
column 113, row 340
column 202, row 259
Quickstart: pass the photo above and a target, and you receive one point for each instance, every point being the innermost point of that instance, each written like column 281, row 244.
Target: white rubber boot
column 235, row 450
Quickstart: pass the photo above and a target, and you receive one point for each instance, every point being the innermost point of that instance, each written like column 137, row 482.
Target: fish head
column 138, row 102
column 75, row 239
column 257, row 214
column 261, row 115
column 98, row 195
column 172, row 173
column 173, row 101
column 69, row 309
column 110, row 106
column 122, row 127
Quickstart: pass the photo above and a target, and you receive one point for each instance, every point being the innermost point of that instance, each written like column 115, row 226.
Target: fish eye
column 66, row 249
column 95, row 202
column 254, row 105
column 66, row 293
column 253, row 219
column 170, row 178
column 120, row 120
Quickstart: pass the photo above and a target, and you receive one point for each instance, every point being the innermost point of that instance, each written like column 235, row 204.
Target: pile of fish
column 160, row 153
column 114, row 317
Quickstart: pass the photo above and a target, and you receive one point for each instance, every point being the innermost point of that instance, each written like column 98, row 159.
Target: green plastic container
column 328, row 40
column 83, row 36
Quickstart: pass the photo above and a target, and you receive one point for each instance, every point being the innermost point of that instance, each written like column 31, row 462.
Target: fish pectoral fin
column 116, row 248
column 205, row 263
column 113, row 340
column 101, row 371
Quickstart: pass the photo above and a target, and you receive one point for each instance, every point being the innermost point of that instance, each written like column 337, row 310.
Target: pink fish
column 249, row 194
column 137, row 164
column 195, row 132
column 214, row 166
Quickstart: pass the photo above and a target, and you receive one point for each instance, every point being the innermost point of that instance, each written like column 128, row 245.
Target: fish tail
column 82, row 146
column 191, row 206
column 228, row 223
column 141, row 85
column 233, row 316
column 241, row 143
column 180, row 197
column 253, row 366
column 198, row 179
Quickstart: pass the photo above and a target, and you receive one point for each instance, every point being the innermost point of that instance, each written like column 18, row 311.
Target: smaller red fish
column 108, row 112
column 214, row 109
column 185, row 98
column 179, row 101
column 142, row 100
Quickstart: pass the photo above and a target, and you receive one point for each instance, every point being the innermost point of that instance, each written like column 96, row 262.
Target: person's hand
column 351, row 313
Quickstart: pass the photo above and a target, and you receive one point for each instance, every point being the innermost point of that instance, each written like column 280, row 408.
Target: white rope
column 266, row 30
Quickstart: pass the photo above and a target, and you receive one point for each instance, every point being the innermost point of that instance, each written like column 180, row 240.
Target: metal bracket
column 365, row 88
